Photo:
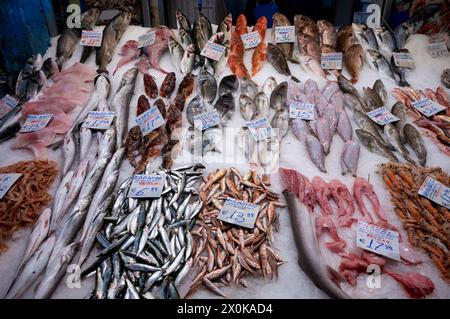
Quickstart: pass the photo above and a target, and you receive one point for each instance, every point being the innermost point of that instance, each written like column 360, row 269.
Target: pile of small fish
column 224, row 253
column 425, row 222
column 393, row 137
column 146, row 244
column 330, row 118
column 351, row 261
column 436, row 126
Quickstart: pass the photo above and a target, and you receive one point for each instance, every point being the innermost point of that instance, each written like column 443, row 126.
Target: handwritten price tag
column 7, row 103
column 239, row 213
column 213, row 51
column 285, row 34
column 99, row 120
column 147, row 186
column 378, row 240
column 6, row 181
column 404, row 60
column 146, row 40
column 382, row 116
column 150, row 120
column 331, row 61
column 91, row 38
column 206, row 120
column 251, row 40
column 436, row 191
column 438, row 49
column 260, row 129
column 35, row 122
column 300, row 110
column 427, row 107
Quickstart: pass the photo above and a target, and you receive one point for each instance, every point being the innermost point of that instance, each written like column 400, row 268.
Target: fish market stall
column 321, row 160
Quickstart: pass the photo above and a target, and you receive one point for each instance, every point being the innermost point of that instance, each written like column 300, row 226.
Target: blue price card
column 6, row 181
column 438, row 49
column 378, row 240
column 206, row 120
column 260, row 129
column 404, row 60
column 146, row 186
column 435, row 191
column 382, row 116
column 427, row 107
column 35, row 122
column 99, row 120
column 300, row 110
column 251, row 40
column 150, row 120
column 239, row 213
column 146, row 39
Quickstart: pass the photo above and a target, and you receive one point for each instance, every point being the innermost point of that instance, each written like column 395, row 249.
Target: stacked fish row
column 393, row 137
column 146, row 243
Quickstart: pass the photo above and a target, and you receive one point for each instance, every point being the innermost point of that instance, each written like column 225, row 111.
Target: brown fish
column 309, row 46
column 161, row 107
column 327, row 33
column 306, row 25
column 142, row 106
column 186, row 86
column 179, row 101
column 150, row 87
column 133, row 144
column 168, row 85
column 353, row 60
column 280, row 20
column 345, row 38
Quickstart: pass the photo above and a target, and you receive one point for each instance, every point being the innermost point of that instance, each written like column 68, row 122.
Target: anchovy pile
column 146, row 243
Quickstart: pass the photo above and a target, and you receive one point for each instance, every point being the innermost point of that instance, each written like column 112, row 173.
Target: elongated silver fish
column 60, row 198
column 68, row 152
column 75, row 187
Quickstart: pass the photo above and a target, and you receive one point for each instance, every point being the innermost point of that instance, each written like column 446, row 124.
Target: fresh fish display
column 277, row 59
column 280, row 20
column 195, row 107
column 247, row 107
column 280, row 121
column 202, row 31
column 208, row 86
column 129, row 52
column 225, row 106
column 353, row 61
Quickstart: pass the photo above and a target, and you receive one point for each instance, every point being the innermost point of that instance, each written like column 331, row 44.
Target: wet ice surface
column 292, row 283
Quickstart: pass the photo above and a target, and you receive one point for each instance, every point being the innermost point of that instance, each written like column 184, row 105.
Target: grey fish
column 228, row 84
column 365, row 123
column 399, row 111
column 121, row 104
column 202, row 30
column 379, row 63
column 416, row 142
column 372, row 100
column 60, row 197
column 66, row 45
column 278, row 98
column 261, row 103
column 187, row 61
column 225, row 27
column 379, row 87
column 112, row 34
column 350, row 157
column 365, row 36
column 316, row 153
column 247, row 107
column 280, row 121
column 300, row 129
column 344, row 127
column 402, row 33
column 225, row 106
column 269, row 85
column 207, row 85
column 195, row 107
column 176, row 52
column 353, row 103
column 374, row 145
column 186, row 39
column 393, row 136
column 248, row 87
column 307, row 247
column 183, row 22
column 277, row 59
column 386, row 41
column 68, row 150
column 347, row 87
column 246, row 143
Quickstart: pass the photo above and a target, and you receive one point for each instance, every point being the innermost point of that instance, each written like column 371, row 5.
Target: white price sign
column 438, row 49
column 150, row 120
column 91, row 38
column 378, row 240
column 260, row 129
column 213, row 51
column 382, row 116
column 251, row 40
column 239, row 213
column 331, row 61
column 300, row 110
column 99, row 120
column 206, row 120
column 404, row 60
column 147, row 186
column 436, row 191
column 7, row 103
column 6, row 181
column 35, row 122
column 285, row 34
column 146, row 40
column 427, row 107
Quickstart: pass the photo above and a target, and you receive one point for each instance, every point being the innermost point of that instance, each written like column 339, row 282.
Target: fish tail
column 403, row 83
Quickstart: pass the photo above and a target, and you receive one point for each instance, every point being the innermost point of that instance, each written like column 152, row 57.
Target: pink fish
column 415, row 284
column 35, row 141
column 363, row 187
column 80, row 71
column 155, row 51
column 322, row 192
column 129, row 52
column 63, row 104
column 350, row 157
column 298, row 185
column 344, row 201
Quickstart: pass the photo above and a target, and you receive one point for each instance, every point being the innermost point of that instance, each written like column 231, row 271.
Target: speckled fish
column 416, row 142
column 202, row 30
column 186, row 86
column 207, row 85
column 365, row 36
column 142, row 105
column 374, row 145
column 195, row 107
column 327, row 33
column 350, row 157
column 247, row 107
column 278, row 98
column 262, row 107
column 277, row 59
column 353, row 61
column 176, row 52
column 150, row 86
column 280, row 20
column 228, row 84
column 399, row 111
column 365, row 123
column 111, row 36
column 225, row 106
column 248, row 87
column 269, row 85
column 372, row 100
column 280, row 121
column 379, row 87
column 183, row 22
column 393, row 136
column 168, row 85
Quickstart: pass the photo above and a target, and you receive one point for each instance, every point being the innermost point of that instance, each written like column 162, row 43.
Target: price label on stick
column 378, row 240
column 146, row 40
column 438, row 49
column 6, row 181
column 99, row 120
column 285, row 34
column 147, row 186
column 251, row 40
column 260, row 129
column 382, row 116
column 213, row 51
column 239, row 213
column 300, row 110
column 7, row 103
column 404, row 60
column 150, row 120
column 91, row 38
column 35, row 122
column 427, row 107
column 206, row 120
column 331, row 61
column 435, row 191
